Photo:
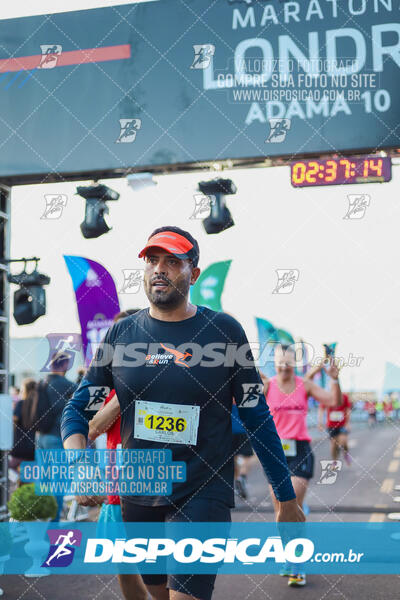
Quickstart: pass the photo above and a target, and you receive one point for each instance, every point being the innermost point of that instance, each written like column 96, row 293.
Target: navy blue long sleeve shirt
column 164, row 371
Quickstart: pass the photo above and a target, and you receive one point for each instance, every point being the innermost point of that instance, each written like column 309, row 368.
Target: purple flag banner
column 96, row 298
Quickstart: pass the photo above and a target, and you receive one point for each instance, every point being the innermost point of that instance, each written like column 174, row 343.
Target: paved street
column 363, row 492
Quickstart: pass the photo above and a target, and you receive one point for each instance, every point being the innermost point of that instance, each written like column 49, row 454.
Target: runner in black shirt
column 180, row 361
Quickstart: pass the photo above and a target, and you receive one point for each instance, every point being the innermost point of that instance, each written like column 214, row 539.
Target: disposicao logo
column 191, row 550
column 62, row 547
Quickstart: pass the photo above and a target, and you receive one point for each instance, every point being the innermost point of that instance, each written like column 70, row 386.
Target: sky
column 348, row 286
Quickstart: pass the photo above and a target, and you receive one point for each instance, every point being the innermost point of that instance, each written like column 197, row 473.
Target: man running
column 149, row 378
column 108, row 420
column 337, row 426
column 287, row 399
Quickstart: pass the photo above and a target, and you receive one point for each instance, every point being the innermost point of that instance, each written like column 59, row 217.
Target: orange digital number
column 331, row 170
column 377, row 168
column 313, row 168
column 347, row 165
column 298, row 172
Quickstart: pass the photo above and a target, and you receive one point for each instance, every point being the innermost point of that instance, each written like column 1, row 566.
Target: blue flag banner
column 267, row 337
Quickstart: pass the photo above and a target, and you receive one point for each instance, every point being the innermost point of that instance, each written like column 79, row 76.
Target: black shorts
column 334, row 431
column 302, row 465
column 241, row 445
column 193, row 509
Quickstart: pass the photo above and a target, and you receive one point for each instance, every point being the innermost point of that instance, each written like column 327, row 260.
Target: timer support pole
column 4, row 337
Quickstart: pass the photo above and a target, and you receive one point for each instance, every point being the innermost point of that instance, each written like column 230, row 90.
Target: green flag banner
column 284, row 337
column 208, row 288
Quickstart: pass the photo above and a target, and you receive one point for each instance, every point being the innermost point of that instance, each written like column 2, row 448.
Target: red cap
column 172, row 242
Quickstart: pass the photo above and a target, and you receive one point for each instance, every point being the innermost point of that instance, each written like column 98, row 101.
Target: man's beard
column 175, row 295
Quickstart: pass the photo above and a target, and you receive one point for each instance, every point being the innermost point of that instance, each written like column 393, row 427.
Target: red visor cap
column 172, row 242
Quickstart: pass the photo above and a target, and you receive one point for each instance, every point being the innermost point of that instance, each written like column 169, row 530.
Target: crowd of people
column 249, row 416
column 37, row 412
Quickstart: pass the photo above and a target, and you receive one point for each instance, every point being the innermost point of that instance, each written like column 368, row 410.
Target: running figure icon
column 62, row 549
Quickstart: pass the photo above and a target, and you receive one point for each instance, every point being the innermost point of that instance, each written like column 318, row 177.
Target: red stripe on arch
column 71, row 57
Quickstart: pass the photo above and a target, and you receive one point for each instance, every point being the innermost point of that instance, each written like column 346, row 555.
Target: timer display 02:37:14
column 338, row 171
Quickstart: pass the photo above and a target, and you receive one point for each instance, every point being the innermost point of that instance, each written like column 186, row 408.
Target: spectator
column 15, row 395
column 24, row 434
column 371, row 409
column 59, row 389
column 80, row 375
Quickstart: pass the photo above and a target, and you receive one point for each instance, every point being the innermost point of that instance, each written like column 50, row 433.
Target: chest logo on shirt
column 173, row 355
column 251, row 394
column 97, row 393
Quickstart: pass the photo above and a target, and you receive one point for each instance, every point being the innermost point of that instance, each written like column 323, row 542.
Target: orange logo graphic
column 179, row 356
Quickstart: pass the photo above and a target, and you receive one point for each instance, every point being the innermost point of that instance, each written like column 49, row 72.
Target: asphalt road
column 362, row 492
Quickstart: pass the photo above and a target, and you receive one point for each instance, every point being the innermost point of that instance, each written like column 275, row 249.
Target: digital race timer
column 336, row 171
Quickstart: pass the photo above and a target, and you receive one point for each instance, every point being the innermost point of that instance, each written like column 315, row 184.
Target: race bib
column 166, row 423
column 289, row 447
column 336, row 415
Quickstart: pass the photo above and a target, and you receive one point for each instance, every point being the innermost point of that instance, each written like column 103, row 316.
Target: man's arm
column 80, row 408
column 104, row 418
column 265, row 381
column 86, row 399
column 74, row 428
column 76, row 441
column 264, row 438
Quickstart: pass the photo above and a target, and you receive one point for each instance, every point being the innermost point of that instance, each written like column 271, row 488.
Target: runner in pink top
column 287, row 398
column 289, row 410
